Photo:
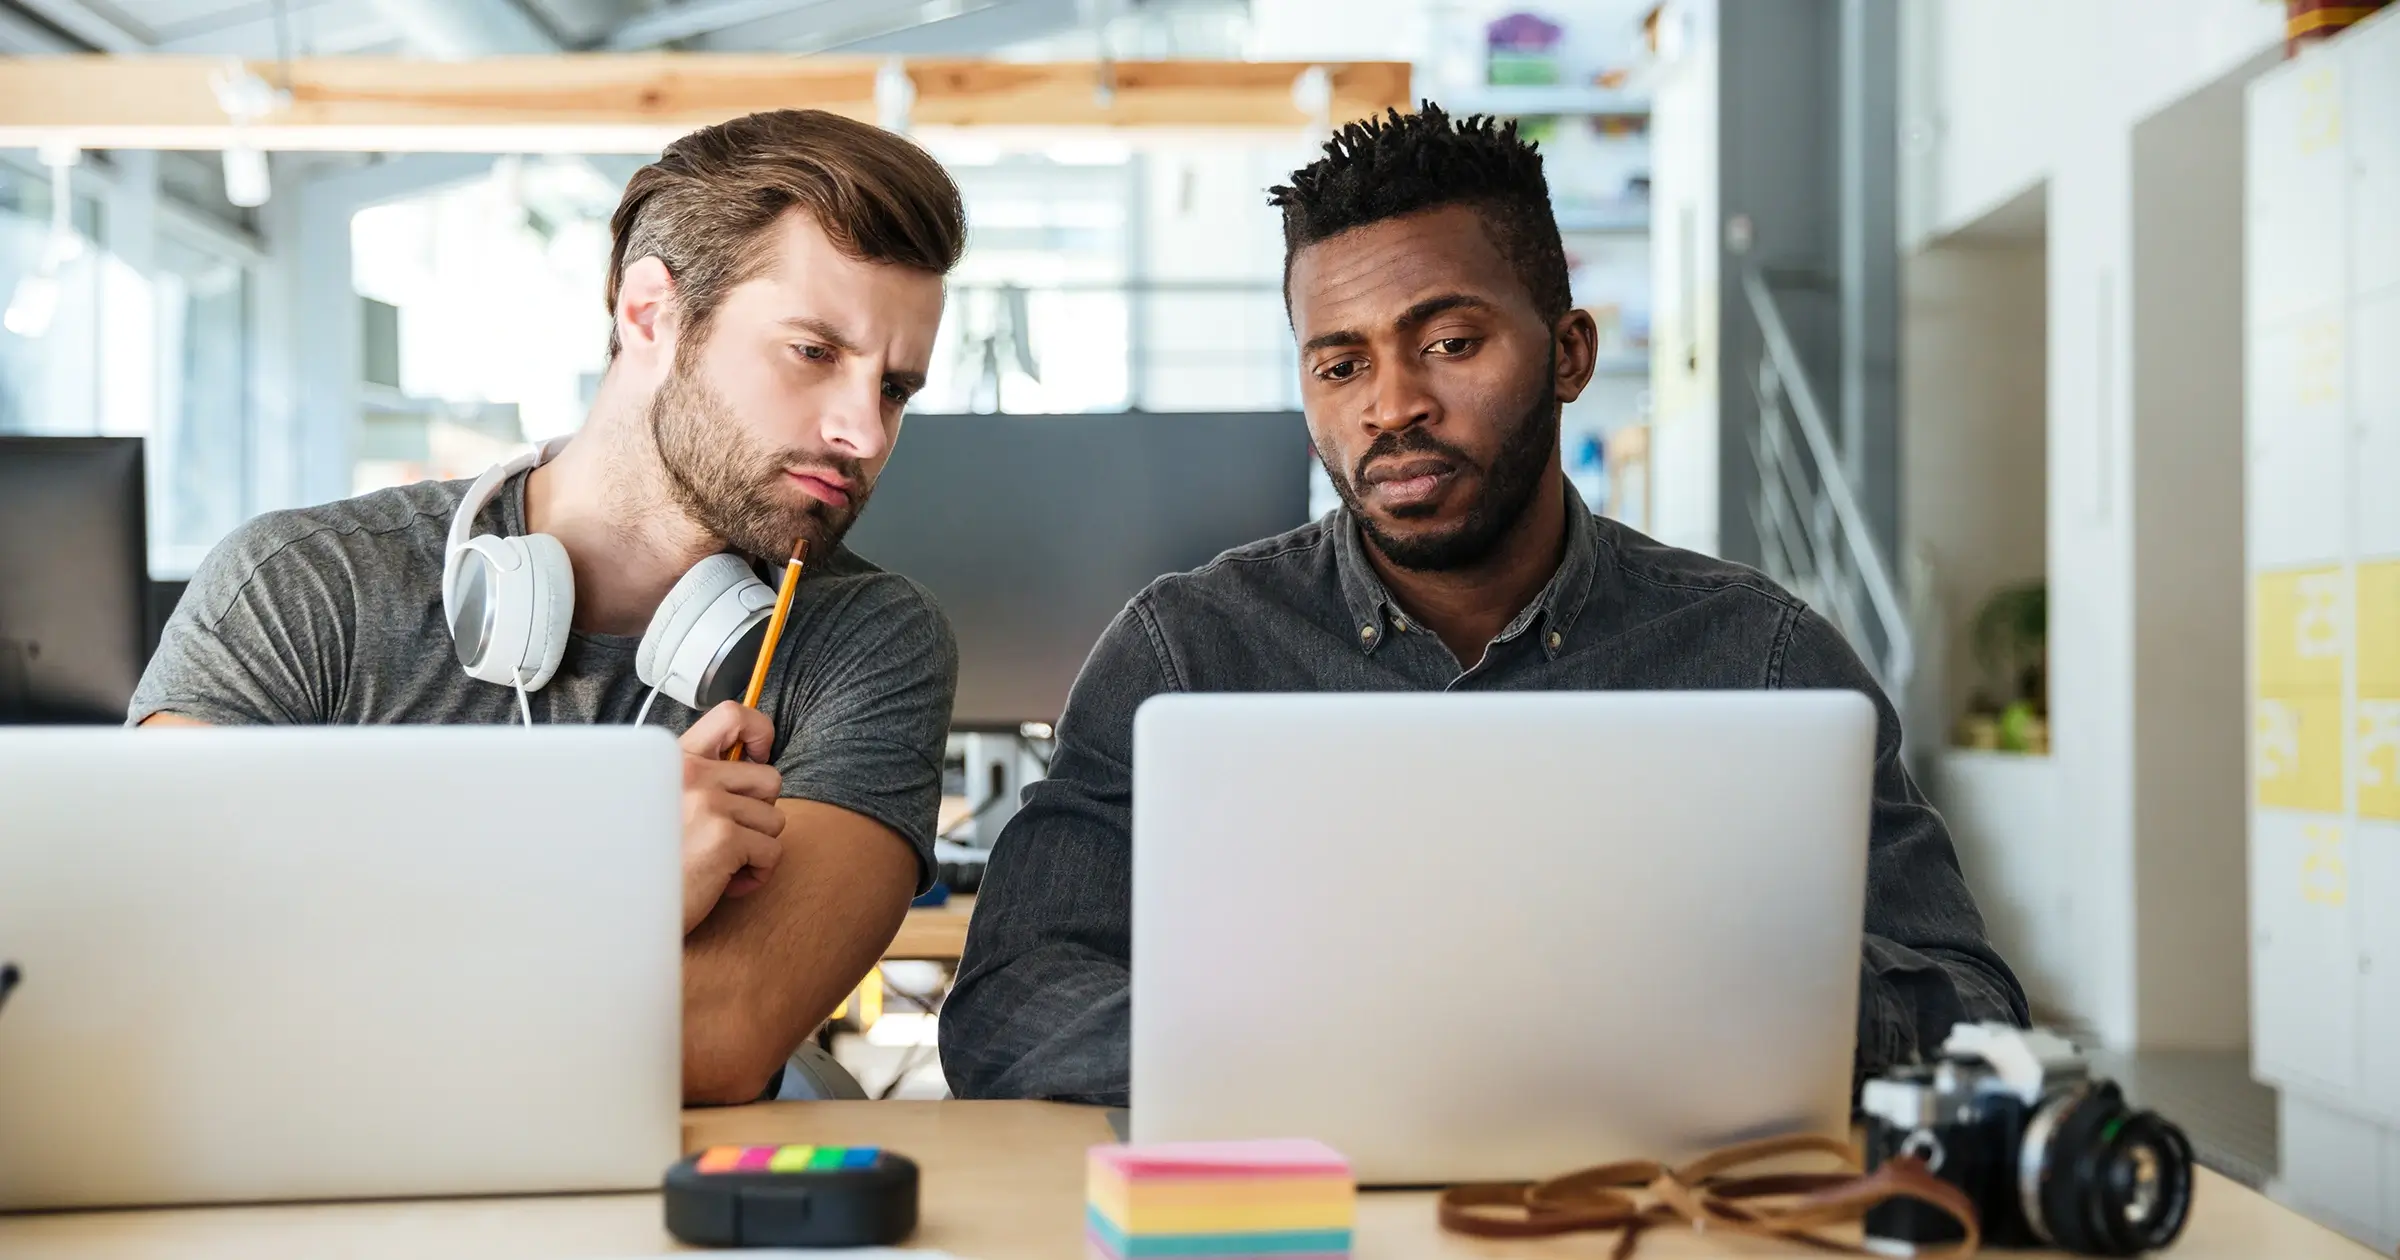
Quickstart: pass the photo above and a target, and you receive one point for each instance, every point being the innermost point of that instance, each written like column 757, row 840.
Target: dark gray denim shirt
column 1040, row 1009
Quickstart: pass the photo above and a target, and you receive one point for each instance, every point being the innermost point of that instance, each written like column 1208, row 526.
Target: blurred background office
column 2051, row 347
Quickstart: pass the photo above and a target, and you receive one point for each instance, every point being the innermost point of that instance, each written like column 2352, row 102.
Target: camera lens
column 2100, row 1178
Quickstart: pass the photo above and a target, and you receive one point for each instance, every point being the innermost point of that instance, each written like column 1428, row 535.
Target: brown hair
column 705, row 206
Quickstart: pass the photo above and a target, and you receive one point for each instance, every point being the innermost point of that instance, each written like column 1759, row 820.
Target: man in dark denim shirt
column 1428, row 289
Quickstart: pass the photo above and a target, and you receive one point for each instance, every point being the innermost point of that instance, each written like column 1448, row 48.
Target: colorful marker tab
column 786, row 1159
column 791, row 1159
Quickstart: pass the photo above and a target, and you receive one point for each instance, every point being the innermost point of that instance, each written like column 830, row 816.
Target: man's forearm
column 762, row 971
column 1910, row 998
column 1054, row 1023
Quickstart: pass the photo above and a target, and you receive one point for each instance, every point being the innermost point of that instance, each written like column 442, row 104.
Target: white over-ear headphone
column 510, row 602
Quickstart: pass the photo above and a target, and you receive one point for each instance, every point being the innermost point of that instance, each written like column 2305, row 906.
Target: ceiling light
column 35, row 303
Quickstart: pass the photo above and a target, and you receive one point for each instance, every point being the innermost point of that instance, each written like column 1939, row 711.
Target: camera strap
column 1711, row 1194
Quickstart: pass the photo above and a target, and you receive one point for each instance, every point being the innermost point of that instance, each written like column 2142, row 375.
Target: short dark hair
column 704, row 207
column 1382, row 168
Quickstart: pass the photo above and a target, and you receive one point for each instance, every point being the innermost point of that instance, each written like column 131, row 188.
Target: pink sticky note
column 1279, row 1157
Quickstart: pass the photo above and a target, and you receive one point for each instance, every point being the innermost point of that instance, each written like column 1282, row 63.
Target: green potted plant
column 2010, row 710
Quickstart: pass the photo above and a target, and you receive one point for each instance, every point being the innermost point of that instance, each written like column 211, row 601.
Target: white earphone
column 510, row 603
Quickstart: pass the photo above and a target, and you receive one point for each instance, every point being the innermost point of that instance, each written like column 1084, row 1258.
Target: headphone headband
column 462, row 521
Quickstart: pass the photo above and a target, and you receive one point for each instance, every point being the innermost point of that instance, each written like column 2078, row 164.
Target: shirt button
column 1366, row 634
column 1555, row 640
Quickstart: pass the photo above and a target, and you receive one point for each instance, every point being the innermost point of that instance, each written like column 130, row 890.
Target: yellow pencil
column 766, row 650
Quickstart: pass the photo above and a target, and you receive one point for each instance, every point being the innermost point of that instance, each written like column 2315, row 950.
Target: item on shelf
column 1219, row 1200
column 1587, row 470
column 1637, row 328
column 1620, row 126
column 1608, row 319
column 2311, row 22
column 1537, row 128
column 1629, row 469
column 1521, row 50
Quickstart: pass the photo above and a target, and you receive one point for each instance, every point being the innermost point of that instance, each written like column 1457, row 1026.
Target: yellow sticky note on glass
column 2379, row 759
column 2379, row 630
column 2296, row 752
column 2302, row 630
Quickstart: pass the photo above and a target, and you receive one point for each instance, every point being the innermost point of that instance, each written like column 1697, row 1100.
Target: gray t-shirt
column 333, row 615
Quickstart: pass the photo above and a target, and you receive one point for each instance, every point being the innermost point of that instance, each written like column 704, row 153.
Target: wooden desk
column 954, row 811
column 933, row 933
column 1003, row 1181
column 936, row 933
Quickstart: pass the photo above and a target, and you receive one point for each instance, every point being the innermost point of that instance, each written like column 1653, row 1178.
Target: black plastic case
column 857, row 1205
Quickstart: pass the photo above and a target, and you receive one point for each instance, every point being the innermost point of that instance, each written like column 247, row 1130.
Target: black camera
column 2050, row 1156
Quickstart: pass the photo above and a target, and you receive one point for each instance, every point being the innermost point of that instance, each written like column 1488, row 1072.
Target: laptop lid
column 273, row 964
column 1500, row 935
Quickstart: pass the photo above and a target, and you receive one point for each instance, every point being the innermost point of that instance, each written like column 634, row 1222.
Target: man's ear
column 645, row 311
column 1578, row 340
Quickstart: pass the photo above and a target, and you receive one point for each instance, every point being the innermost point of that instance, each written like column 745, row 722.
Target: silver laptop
column 1464, row 937
column 337, row 963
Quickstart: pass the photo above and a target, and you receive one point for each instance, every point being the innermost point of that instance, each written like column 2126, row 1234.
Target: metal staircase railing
column 1814, row 536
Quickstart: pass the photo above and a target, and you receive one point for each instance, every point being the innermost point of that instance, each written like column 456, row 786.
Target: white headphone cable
column 644, row 714
column 524, row 706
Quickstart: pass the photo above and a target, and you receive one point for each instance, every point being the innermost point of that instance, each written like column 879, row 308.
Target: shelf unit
column 1563, row 99
column 1623, row 365
column 1627, row 218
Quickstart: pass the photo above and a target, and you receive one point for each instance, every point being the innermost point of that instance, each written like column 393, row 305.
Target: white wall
column 1973, row 354
column 1974, row 443
column 2005, row 94
column 2192, row 949
column 2003, row 811
column 1204, row 220
column 1993, row 104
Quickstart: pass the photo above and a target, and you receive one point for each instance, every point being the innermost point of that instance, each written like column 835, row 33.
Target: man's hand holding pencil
column 731, row 828
column 730, row 822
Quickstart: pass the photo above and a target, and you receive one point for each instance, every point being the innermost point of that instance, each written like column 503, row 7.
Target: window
column 1038, row 314
column 166, row 356
column 482, row 317
column 50, row 358
column 199, row 456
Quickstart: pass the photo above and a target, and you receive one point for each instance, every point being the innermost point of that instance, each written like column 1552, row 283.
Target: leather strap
column 1636, row 1196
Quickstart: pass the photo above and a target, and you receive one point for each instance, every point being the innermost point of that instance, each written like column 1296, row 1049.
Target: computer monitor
column 1034, row 530
column 74, row 578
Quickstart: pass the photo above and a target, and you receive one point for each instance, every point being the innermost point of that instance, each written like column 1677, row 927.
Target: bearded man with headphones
column 775, row 285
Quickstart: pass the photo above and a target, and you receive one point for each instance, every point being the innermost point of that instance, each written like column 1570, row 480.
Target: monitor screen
column 1033, row 531
column 74, row 578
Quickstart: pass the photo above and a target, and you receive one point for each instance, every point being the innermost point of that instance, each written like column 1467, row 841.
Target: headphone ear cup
column 691, row 651
column 490, row 609
column 553, row 597
column 684, row 603
column 516, row 601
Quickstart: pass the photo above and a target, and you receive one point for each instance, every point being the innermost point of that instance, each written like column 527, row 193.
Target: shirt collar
column 1559, row 604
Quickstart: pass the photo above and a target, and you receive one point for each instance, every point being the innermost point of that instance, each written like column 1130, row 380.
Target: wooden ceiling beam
column 637, row 102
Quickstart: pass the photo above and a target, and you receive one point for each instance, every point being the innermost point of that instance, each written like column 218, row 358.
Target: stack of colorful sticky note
column 1281, row 1200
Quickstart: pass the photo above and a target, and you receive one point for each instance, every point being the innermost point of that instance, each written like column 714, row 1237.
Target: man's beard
column 736, row 490
column 1506, row 490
